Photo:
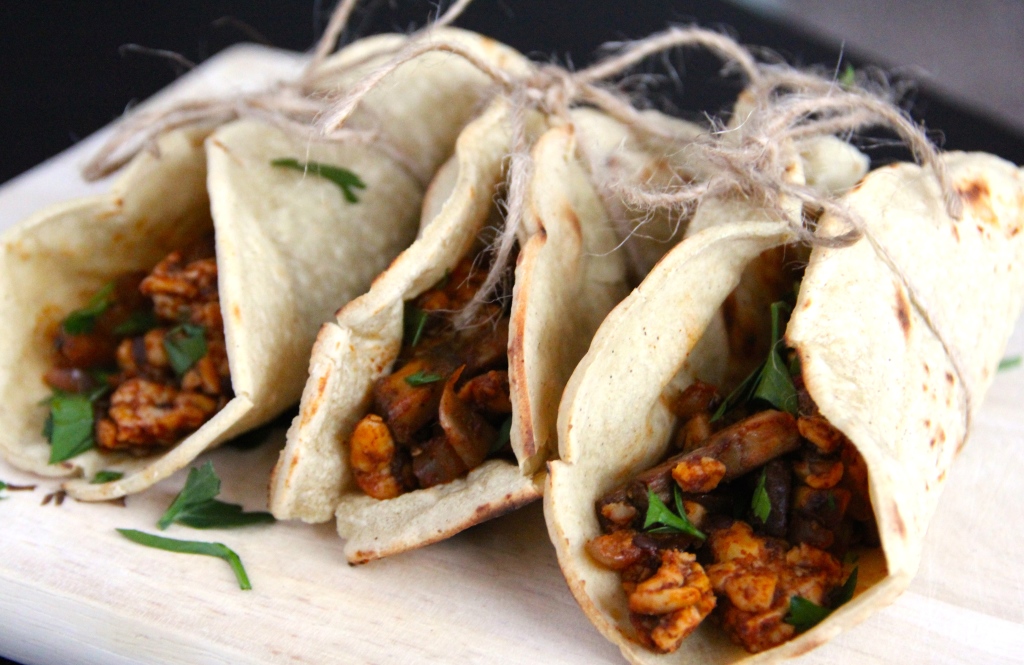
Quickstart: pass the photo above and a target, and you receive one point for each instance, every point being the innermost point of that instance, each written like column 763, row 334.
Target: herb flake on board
column 218, row 550
column 196, row 507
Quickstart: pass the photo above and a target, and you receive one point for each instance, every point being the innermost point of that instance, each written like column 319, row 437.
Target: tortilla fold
column 899, row 337
column 289, row 247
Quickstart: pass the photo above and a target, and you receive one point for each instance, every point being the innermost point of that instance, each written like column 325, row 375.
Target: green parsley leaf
column 137, row 323
column 216, row 514
column 415, row 322
column 201, row 486
column 846, row 592
column 1010, row 362
column 106, row 477
column 185, row 345
column 342, row 177
column 761, row 504
column 82, row 321
column 848, row 78
column 70, row 426
column 830, row 502
column 196, row 507
column 422, row 378
column 772, row 381
column 218, row 550
column 776, row 385
column 805, row 614
column 503, row 436
column 659, row 513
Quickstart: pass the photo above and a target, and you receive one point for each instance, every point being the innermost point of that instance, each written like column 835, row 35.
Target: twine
column 291, row 106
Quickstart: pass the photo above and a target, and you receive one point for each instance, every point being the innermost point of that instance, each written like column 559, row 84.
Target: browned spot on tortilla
column 949, row 378
column 956, row 233
column 973, row 191
column 517, row 353
column 857, row 185
column 903, row 312
column 927, row 369
column 960, row 446
column 572, row 220
column 314, row 405
column 931, row 444
column 976, row 196
column 897, row 521
column 236, row 312
column 942, row 435
column 807, row 303
column 927, row 422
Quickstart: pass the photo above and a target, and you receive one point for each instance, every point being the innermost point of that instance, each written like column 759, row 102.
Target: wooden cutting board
column 74, row 591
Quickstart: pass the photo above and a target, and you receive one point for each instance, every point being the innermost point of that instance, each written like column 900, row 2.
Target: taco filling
column 145, row 357
column 750, row 519
column 445, row 407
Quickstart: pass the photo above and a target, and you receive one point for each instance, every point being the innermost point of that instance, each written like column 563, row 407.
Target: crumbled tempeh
column 679, row 593
column 145, row 413
column 755, row 578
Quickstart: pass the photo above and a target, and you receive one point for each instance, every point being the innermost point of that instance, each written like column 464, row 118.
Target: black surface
column 63, row 74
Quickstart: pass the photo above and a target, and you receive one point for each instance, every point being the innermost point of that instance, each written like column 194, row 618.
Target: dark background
column 63, row 74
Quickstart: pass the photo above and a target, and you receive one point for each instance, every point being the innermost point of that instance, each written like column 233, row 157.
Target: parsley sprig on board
column 196, row 507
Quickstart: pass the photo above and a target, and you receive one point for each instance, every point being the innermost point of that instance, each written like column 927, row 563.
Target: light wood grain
column 73, row 590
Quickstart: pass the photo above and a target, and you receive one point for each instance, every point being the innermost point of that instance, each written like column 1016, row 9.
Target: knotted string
column 292, row 106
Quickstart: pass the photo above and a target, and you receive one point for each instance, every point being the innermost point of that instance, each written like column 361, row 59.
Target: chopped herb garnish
column 846, row 592
column 504, row 435
column 185, row 345
column 137, row 323
column 804, row 614
column 106, row 477
column 659, row 513
column 848, row 77
column 772, row 381
column 1010, row 362
column 761, row 504
column 195, row 505
column 342, row 177
column 830, row 501
column 69, row 426
column 422, row 378
column 191, row 547
column 415, row 322
column 82, row 321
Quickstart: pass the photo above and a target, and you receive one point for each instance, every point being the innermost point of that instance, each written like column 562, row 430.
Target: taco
column 672, row 502
column 184, row 302
column 408, row 432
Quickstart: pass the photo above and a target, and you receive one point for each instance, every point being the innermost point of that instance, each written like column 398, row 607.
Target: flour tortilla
column 567, row 278
column 871, row 360
column 289, row 248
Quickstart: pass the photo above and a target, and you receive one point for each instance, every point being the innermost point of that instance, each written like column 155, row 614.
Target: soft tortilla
column 568, row 277
column 289, row 248
column 871, row 360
